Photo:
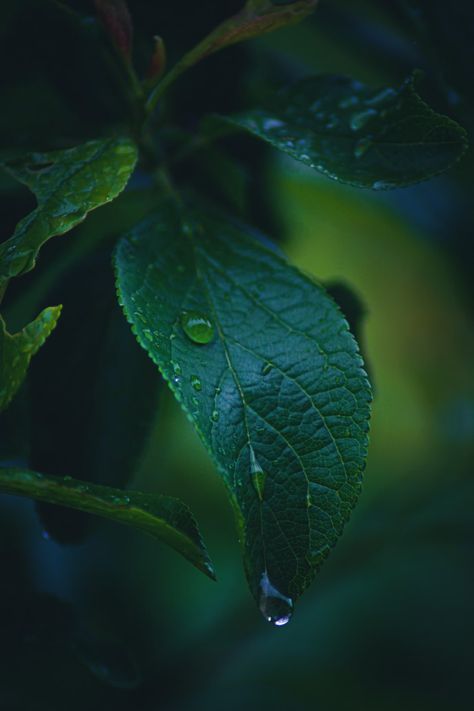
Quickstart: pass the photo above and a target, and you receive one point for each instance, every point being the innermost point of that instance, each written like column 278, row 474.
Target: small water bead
column 361, row 118
column 270, row 124
column 197, row 326
column 196, row 383
column 176, row 368
column 257, row 475
column 274, row 606
column 361, row 147
column 215, row 416
column 381, row 97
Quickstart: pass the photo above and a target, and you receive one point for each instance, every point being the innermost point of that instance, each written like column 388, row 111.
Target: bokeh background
column 117, row 621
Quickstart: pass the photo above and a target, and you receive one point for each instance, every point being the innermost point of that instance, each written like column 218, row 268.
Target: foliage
column 257, row 353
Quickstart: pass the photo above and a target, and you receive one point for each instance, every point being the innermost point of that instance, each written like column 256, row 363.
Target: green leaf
column 163, row 517
column 271, row 379
column 17, row 350
column 67, row 184
column 380, row 139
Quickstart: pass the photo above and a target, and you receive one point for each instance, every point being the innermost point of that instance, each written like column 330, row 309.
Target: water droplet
column 214, row 416
column 271, row 124
column 176, row 368
column 361, row 147
column 359, row 119
column 177, row 381
column 383, row 185
column 348, row 101
column 257, row 474
column 197, row 327
column 309, row 500
column 274, row 606
column 381, row 97
column 267, row 368
column 196, row 383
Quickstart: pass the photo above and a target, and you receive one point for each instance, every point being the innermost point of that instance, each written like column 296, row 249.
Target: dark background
column 114, row 620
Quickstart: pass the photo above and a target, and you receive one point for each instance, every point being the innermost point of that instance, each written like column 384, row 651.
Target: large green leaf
column 67, row 184
column 17, row 350
column 263, row 363
column 164, row 517
column 380, row 139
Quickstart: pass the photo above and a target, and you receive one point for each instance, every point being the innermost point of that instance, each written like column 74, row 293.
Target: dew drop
column 271, row 124
column 198, row 327
column 257, row 474
column 361, row 147
column 214, row 416
column 359, row 119
column 274, row 606
column 196, row 383
column 381, row 97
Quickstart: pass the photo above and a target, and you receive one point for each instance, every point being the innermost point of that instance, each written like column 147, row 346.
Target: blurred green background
column 120, row 622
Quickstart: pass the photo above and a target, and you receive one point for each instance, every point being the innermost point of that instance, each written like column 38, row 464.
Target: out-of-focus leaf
column 17, row 350
column 163, row 517
column 67, row 184
column 383, row 138
column 93, row 396
column 262, row 362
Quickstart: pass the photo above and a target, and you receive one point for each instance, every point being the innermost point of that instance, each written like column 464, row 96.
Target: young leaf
column 263, row 363
column 17, row 350
column 67, row 184
column 257, row 17
column 163, row 517
column 380, row 139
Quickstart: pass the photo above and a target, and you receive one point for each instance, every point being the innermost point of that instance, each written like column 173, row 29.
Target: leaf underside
column 163, row 517
column 278, row 393
column 67, row 184
column 381, row 139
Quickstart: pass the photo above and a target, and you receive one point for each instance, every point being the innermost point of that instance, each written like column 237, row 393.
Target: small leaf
column 67, row 184
column 380, row 139
column 163, row 517
column 17, row 350
column 277, row 392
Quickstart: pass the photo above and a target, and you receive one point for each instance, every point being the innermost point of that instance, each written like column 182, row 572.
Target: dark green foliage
column 373, row 138
column 257, row 353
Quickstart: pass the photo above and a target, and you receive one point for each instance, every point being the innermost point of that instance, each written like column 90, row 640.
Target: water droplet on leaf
column 361, row 147
column 214, row 416
column 257, row 474
column 274, row 606
column 196, row 383
column 198, row 327
column 359, row 119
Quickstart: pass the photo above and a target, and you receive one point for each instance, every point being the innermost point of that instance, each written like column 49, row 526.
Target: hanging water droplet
column 361, row 147
column 274, row 606
column 257, row 474
column 198, row 327
column 359, row 119
column 196, row 383
column 267, row 368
